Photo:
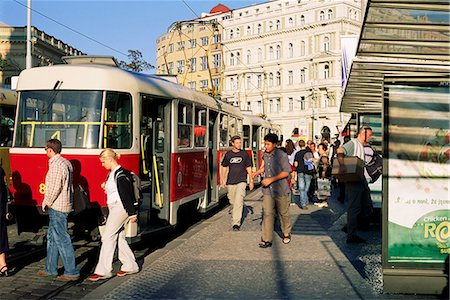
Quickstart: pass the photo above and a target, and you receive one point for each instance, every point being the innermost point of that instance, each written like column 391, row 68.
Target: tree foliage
column 136, row 62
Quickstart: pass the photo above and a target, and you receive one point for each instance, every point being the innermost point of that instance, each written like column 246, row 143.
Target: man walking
column 304, row 166
column 275, row 191
column 358, row 193
column 238, row 164
column 58, row 200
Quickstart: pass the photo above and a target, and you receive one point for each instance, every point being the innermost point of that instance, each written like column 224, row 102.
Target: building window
column 217, row 38
column 249, row 82
column 278, row 52
column 249, row 56
column 278, row 79
column 238, row 58
column 238, row 32
column 270, row 52
column 302, row 103
column 326, row 71
column 248, row 106
column 259, row 55
column 193, row 43
column 170, row 48
column 217, row 60
column 290, row 50
column 278, row 105
column 204, row 41
column 291, row 22
column 271, row 108
column 278, row 26
column 302, row 20
column 322, row 16
column 232, row 87
column 302, row 48
column 326, row 102
column 249, row 30
column 231, row 59
column 259, row 81
column 326, row 44
column 259, row 107
column 204, row 84
column 192, row 64
column 290, row 77
column 259, row 29
column 291, row 104
column 180, row 66
column 330, row 14
column 270, row 26
column 191, row 85
column 180, row 45
column 302, row 76
column 203, row 63
column 231, row 34
column 270, row 79
column 216, row 83
column 170, row 68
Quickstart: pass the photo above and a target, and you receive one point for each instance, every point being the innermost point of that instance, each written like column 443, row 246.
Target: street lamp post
column 28, row 57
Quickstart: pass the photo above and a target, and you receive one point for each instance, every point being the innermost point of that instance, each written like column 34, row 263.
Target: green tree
column 136, row 62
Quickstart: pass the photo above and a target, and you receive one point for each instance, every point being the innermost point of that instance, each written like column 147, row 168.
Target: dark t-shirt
column 237, row 163
column 300, row 159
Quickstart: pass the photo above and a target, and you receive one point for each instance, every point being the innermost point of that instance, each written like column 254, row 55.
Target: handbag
column 80, row 200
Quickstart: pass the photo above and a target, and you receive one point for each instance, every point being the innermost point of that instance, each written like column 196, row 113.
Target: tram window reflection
column 118, row 121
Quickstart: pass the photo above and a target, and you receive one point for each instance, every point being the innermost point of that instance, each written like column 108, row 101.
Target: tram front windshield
column 73, row 117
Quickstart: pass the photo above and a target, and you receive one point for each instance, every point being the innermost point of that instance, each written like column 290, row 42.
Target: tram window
column 223, row 130
column 184, row 125
column 70, row 116
column 246, row 137
column 117, row 131
column 200, row 127
column 232, row 127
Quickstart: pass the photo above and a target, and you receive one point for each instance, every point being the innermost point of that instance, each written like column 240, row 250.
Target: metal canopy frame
column 398, row 37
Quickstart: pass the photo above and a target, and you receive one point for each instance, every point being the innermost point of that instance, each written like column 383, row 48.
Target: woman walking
column 4, row 246
column 119, row 192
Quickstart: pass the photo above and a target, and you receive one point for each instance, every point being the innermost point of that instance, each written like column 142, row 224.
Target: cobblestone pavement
column 213, row 262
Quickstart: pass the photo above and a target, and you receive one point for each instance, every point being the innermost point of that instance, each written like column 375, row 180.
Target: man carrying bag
column 358, row 192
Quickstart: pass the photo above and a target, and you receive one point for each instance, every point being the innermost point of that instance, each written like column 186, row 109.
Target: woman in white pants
column 120, row 200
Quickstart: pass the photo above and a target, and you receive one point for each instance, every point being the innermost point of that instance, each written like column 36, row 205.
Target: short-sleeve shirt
column 274, row 164
column 238, row 162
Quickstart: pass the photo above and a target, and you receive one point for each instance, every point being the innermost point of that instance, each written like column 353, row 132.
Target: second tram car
column 173, row 137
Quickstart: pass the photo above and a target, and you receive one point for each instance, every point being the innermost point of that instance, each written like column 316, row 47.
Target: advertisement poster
column 418, row 174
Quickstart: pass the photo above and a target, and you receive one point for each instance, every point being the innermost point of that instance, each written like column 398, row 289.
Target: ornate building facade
column 46, row 50
column 192, row 51
column 283, row 61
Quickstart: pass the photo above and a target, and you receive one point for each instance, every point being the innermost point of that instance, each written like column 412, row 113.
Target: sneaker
column 97, row 277
column 292, row 204
column 124, row 273
column 354, row 239
column 236, row 227
column 67, row 278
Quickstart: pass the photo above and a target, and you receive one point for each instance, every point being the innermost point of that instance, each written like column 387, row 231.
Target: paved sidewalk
column 210, row 261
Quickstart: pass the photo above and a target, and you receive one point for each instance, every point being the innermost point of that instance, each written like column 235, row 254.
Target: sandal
column 287, row 238
column 4, row 271
column 264, row 244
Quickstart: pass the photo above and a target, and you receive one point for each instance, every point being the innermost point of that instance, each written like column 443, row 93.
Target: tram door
column 155, row 161
column 213, row 192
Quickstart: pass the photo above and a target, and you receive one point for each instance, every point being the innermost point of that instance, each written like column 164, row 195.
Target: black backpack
column 135, row 182
column 374, row 165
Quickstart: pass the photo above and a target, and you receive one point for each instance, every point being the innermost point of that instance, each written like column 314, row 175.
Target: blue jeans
column 304, row 181
column 59, row 243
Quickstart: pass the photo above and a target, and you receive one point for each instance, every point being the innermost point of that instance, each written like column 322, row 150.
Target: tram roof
column 110, row 78
column 407, row 38
column 255, row 120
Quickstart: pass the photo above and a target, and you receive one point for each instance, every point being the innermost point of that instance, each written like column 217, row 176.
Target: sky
column 121, row 25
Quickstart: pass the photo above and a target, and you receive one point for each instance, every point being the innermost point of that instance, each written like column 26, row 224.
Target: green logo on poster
column 434, row 231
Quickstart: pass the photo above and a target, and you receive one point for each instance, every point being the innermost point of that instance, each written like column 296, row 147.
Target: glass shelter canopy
column 398, row 37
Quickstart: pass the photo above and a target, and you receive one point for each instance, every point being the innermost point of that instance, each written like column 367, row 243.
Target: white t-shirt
column 112, row 194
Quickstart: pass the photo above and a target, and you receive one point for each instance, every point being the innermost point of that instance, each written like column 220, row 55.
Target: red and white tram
column 172, row 136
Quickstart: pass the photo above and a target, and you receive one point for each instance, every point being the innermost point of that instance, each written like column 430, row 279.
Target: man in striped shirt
column 58, row 199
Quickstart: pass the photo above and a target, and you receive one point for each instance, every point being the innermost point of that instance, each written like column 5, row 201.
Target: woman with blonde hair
column 119, row 195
